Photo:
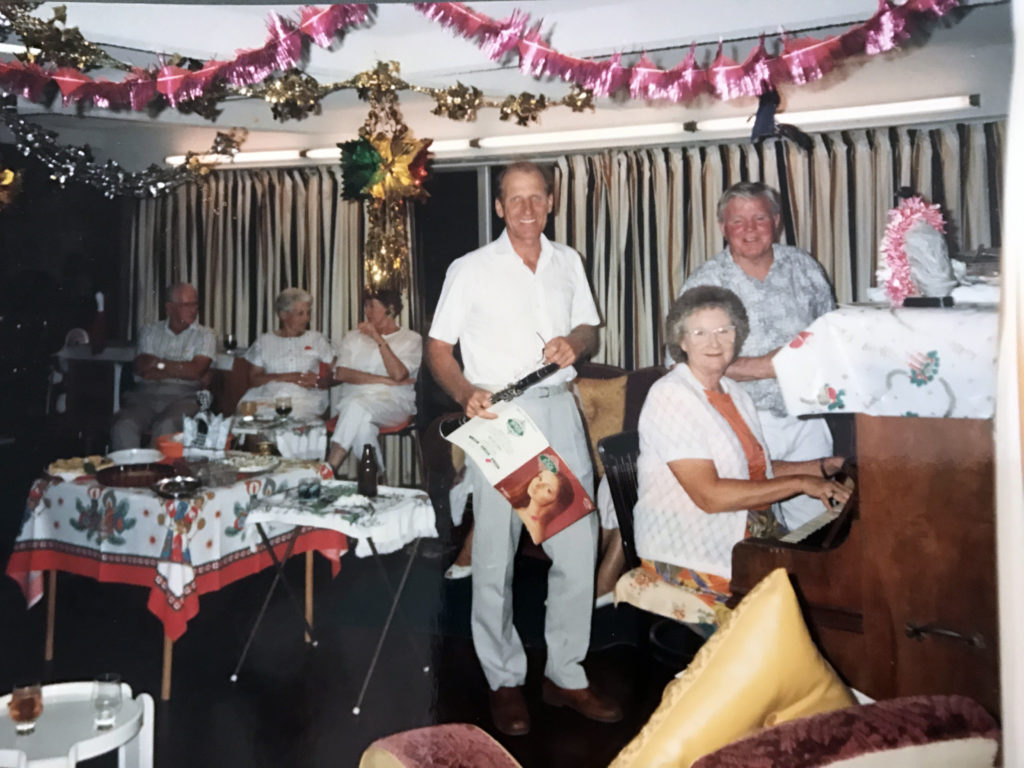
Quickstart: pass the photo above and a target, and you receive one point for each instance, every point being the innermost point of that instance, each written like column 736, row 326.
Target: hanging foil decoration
column 384, row 167
column 10, row 187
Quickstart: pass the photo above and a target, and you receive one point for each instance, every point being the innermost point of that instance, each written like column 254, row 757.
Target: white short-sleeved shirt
column 361, row 353
column 280, row 354
column 794, row 294
column 503, row 314
column 159, row 340
column 678, row 422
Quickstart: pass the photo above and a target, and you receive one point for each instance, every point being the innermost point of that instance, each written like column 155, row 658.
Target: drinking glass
column 230, row 343
column 283, row 405
column 247, row 408
column 106, row 699
column 26, row 706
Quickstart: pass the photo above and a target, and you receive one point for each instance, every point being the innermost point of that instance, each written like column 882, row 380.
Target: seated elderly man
column 783, row 289
column 174, row 357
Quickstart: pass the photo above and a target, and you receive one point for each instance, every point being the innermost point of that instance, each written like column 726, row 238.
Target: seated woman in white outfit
column 287, row 361
column 377, row 366
column 705, row 478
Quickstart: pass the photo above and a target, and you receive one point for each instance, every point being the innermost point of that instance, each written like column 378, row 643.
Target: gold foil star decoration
column 403, row 162
column 579, row 99
column 379, row 83
column 524, row 108
column 293, row 96
column 458, row 102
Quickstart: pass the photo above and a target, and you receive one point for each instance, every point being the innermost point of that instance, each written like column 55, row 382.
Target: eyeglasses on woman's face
column 705, row 335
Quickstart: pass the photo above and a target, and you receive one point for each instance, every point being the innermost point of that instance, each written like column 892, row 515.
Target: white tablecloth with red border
column 179, row 548
column 908, row 361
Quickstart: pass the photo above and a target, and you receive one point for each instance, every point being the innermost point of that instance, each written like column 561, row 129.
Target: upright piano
column 900, row 592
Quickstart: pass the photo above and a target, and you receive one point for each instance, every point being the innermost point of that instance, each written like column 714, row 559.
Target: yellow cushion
column 603, row 403
column 760, row 668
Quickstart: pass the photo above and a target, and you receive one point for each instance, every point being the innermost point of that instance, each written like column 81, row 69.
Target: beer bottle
column 367, row 475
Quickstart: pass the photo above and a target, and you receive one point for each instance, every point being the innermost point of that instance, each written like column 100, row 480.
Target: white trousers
column 360, row 418
column 792, row 439
column 573, row 552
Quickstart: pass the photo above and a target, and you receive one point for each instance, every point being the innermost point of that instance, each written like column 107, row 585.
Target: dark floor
column 292, row 705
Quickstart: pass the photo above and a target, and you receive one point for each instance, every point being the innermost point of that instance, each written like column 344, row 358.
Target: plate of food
column 69, row 469
column 134, row 475
column 250, row 463
column 135, row 456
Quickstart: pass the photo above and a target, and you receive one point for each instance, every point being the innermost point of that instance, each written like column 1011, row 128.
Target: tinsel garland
column 801, row 61
column 898, row 282
column 282, row 51
column 68, row 163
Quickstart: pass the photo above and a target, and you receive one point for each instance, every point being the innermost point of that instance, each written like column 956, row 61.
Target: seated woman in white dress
column 287, row 361
column 705, row 479
column 377, row 366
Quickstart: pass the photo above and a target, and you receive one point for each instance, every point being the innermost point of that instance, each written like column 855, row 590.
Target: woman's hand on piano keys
column 829, row 492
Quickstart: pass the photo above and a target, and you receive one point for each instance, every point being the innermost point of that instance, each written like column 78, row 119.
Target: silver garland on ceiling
column 68, row 163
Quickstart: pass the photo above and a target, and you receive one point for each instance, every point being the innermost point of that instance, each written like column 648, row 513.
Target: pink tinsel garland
column 911, row 210
column 801, row 61
column 282, row 50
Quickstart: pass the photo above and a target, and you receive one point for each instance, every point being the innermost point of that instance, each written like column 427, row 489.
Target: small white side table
column 65, row 732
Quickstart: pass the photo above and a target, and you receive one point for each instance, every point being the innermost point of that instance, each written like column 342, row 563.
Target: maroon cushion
column 454, row 745
column 847, row 733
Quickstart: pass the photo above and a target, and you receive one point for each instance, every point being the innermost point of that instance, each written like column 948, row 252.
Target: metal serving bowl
column 177, row 487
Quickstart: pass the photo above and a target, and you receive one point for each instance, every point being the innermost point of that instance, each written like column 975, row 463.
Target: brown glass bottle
column 367, row 476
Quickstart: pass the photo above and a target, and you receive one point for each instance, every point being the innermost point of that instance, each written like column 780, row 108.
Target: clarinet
column 512, row 391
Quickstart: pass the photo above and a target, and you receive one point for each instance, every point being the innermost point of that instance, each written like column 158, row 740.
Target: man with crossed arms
column 515, row 304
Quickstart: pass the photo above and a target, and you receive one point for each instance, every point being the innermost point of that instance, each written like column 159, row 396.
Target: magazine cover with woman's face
column 545, row 494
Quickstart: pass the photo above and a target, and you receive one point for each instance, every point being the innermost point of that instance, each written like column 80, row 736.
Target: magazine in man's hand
column 517, row 459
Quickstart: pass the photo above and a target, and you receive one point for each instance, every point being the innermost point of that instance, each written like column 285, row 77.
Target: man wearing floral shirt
column 784, row 289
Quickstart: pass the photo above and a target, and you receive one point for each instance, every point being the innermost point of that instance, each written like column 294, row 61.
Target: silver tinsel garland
column 75, row 164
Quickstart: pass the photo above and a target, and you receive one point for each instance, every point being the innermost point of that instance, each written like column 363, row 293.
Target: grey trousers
column 573, row 552
column 154, row 408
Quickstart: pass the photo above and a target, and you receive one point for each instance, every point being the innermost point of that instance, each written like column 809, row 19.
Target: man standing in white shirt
column 174, row 356
column 513, row 305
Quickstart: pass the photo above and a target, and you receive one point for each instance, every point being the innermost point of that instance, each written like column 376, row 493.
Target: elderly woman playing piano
column 705, row 479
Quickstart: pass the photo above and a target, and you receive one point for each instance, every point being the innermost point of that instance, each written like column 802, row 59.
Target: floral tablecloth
column 393, row 518
column 179, row 548
column 909, row 361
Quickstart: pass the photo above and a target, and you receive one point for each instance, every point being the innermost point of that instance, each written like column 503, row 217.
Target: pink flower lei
column 910, row 210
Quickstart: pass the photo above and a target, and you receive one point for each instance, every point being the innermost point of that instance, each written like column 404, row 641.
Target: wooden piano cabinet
column 906, row 603
column 927, row 520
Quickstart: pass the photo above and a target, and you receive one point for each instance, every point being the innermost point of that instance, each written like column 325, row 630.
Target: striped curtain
column 645, row 219
column 243, row 236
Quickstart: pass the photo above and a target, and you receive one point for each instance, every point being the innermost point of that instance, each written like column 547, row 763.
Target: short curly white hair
column 289, row 297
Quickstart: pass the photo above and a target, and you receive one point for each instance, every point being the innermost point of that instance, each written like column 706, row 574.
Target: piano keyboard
column 819, row 522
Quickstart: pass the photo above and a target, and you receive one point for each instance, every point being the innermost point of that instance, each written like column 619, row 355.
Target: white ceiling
column 969, row 51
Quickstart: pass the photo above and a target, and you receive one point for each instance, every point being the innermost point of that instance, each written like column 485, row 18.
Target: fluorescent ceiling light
column 653, row 130
column 17, row 48
column 242, row 158
column 438, row 146
column 843, row 114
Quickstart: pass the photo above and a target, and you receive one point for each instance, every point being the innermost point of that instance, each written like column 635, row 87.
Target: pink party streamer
column 496, row 38
column 322, row 24
column 801, row 61
column 282, row 50
column 901, row 218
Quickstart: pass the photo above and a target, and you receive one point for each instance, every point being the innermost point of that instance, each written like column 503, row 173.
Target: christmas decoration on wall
column 384, row 167
column 803, row 59
column 270, row 71
column 10, row 186
column 76, row 164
